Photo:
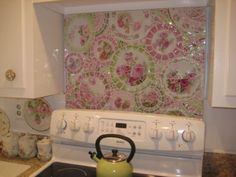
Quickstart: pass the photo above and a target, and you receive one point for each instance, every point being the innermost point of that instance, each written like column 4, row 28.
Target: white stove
column 165, row 145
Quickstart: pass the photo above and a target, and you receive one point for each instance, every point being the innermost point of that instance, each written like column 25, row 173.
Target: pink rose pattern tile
column 144, row 60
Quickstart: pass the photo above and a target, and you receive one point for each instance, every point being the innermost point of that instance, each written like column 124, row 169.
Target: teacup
column 10, row 145
column 27, row 146
column 44, row 149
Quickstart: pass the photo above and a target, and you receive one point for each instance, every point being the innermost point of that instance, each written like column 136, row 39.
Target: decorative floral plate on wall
column 37, row 114
column 79, row 31
column 181, row 78
column 131, row 24
column 4, row 123
column 164, row 41
column 189, row 19
column 132, row 68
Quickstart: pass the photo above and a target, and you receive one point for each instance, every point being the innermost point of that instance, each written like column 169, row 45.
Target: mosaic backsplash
column 144, row 60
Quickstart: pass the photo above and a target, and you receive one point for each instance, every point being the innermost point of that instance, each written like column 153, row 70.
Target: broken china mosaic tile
column 143, row 60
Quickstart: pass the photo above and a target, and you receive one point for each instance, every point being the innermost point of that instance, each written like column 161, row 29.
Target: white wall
column 220, row 129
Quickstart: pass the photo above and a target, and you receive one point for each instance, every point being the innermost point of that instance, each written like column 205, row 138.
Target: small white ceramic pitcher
column 10, row 144
column 44, row 149
column 27, row 146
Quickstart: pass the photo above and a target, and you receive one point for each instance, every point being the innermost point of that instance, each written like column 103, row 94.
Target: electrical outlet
column 19, row 111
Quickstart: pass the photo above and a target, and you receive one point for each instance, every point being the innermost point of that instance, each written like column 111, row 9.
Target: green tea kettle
column 113, row 164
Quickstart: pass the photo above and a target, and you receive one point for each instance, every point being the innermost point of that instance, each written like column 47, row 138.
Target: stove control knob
column 156, row 134
column 75, row 125
column 171, row 134
column 87, row 127
column 61, row 124
column 188, row 136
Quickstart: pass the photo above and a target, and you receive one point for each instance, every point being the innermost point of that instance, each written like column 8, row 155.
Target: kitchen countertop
column 219, row 165
column 214, row 165
column 34, row 163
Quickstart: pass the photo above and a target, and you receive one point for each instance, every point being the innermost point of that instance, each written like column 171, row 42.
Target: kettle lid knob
column 114, row 152
column 114, row 156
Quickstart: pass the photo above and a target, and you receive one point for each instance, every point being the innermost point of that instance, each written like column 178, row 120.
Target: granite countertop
column 34, row 164
column 219, row 165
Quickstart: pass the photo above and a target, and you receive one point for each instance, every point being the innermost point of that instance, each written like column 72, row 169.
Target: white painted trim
column 86, row 6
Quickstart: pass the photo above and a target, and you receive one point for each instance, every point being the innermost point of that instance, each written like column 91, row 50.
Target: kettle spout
column 93, row 156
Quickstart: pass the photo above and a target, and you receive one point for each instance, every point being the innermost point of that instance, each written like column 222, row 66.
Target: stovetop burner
column 58, row 169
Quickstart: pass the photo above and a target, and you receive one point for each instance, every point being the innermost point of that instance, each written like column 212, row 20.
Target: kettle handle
column 98, row 148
